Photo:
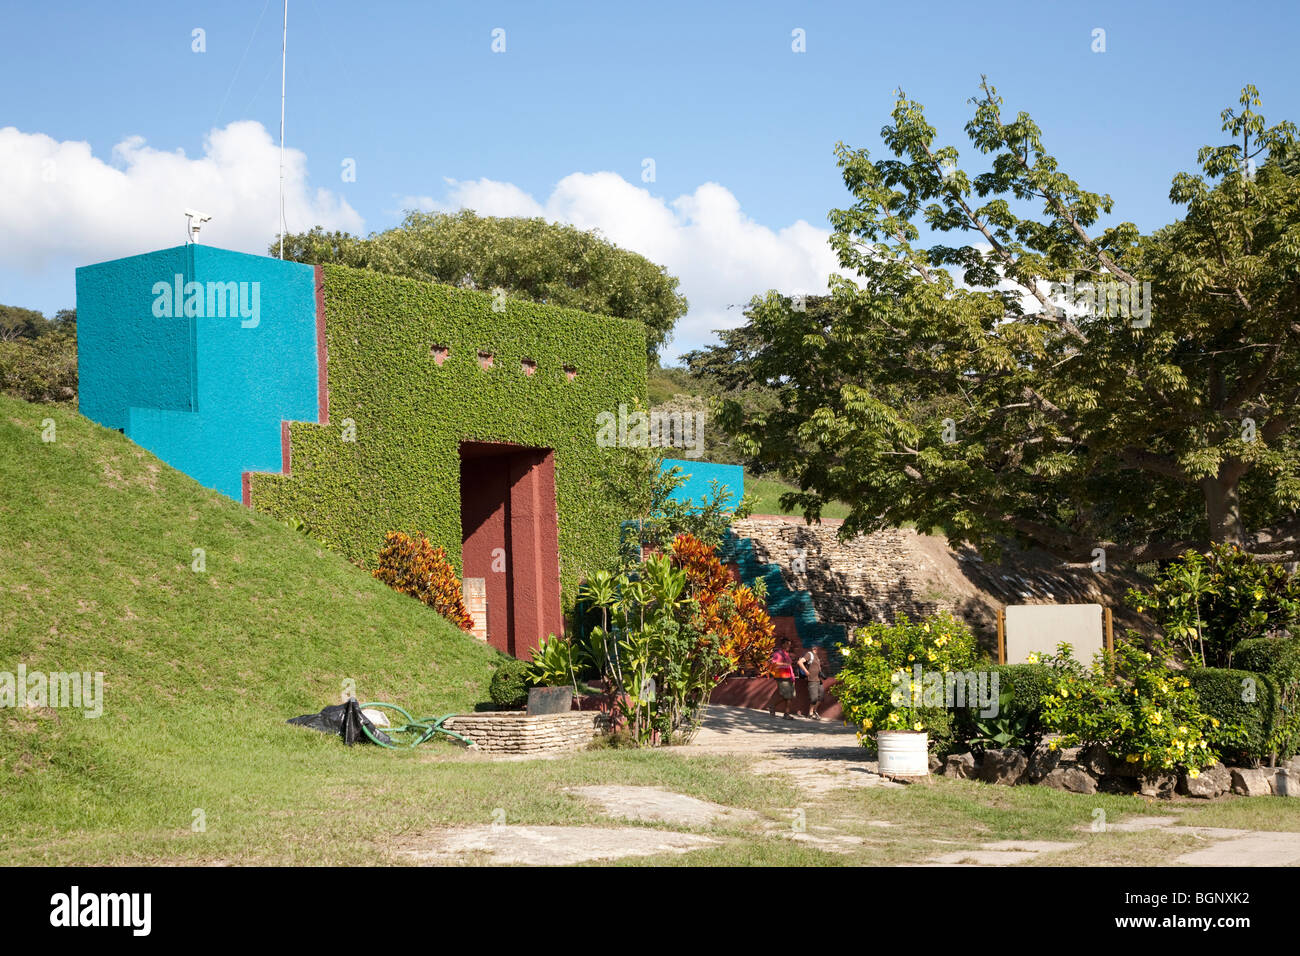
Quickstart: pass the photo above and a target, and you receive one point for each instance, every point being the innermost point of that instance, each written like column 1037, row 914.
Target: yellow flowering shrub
column 1134, row 705
column 876, row 686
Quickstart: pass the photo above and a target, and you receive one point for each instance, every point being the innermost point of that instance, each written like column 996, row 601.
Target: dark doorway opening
column 510, row 539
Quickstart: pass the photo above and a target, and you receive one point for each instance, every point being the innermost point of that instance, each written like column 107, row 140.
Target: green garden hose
column 424, row 728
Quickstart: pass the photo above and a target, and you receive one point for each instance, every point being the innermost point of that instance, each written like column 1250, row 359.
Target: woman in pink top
column 783, row 670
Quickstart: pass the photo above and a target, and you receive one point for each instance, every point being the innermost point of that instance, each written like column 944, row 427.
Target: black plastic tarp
column 342, row 720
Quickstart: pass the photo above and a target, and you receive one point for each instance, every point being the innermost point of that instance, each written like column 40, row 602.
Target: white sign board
column 1038, row 628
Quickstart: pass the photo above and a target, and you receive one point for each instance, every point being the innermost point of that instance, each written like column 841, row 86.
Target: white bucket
column 903, row 753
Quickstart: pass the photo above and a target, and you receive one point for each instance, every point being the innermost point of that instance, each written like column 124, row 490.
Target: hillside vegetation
column 98, row 544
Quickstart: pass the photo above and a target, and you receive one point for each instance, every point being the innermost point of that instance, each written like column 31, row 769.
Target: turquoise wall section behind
column 697, row 487
column 204, row 393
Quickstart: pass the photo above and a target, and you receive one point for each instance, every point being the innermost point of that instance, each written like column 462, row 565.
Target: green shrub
column 40, row 370
column 509, row 685
column 1210, row 603
column 555, row 662
column 1242, row 707
column 1028, row 685
column 668, row 633
column 1278, row 659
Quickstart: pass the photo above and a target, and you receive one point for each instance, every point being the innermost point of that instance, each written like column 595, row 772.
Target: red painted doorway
column 510, row 539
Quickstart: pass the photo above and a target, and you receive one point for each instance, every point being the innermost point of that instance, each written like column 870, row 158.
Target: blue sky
column 741, row 128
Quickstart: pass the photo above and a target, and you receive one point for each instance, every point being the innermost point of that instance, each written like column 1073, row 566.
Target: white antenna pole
column 284, row 43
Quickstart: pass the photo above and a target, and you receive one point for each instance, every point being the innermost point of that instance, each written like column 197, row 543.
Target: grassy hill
column 97, row 547
column 767, row 498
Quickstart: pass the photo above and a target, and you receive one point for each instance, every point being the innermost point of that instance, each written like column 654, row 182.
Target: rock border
column 1089, row 770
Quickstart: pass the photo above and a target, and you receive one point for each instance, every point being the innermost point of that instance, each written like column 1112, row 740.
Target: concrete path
column 823, row 756
column 1247, row 848
column 549, row 846
column 727, row 729
column 819, row 755
column 1001, row 853
column 657, row 805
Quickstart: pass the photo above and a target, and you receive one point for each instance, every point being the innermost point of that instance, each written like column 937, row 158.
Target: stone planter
column 513, row 732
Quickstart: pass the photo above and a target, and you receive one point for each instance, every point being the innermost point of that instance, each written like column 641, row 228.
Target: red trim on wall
column 286, row 464
column 322, row 353
column 247, row 490
column 507, row 496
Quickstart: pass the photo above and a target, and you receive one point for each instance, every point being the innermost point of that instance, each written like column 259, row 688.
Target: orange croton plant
column 417, row 568
column 730, row 612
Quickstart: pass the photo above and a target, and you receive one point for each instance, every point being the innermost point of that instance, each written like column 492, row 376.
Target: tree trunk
column 1223, row 510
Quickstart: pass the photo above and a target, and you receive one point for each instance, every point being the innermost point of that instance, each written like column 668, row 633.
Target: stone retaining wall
column 514, row 732
column 867, row 578
column 874, row 577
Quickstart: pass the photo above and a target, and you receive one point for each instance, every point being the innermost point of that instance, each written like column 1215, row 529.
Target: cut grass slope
column 767, row 498
column 98, row 544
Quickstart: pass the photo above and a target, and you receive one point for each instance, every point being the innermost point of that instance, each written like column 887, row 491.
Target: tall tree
column 531, row 258
column 1080, row 387
column 19, row 323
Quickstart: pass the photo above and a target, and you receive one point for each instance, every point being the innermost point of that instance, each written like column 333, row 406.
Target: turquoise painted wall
column 204, row 392
column 697, row 487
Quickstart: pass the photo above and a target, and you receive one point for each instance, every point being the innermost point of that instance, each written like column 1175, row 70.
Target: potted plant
column 553, row 677
column 881, row 687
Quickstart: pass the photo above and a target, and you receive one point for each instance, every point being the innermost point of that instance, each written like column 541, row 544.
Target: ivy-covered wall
column 388, row 457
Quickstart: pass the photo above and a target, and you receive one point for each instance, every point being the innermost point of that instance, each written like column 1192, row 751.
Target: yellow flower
column 926, row 628
column 1052, row 745
column 1156, row 717
column 1214, row 722
column 931, row 657
column 1193, row 773
column 1132, row 758
column 866, row 725
column 911, row 657
column 1031, row 659
column 917, row 725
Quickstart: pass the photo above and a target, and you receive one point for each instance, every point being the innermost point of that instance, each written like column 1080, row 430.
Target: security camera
column 194, row 220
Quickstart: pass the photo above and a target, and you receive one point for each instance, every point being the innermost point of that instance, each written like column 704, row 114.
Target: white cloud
column 61, row 206
column 722, row 256
column 59, row 203
column 485, row 196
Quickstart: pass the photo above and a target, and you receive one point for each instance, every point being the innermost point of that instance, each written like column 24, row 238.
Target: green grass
column 767, row 494
column 201, row 670
column 97, row 542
